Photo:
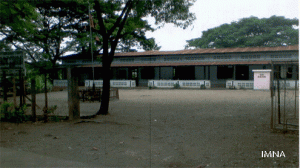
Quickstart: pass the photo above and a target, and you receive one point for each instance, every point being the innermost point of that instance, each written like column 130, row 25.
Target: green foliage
column 47, row 29
column 9, row 114
column 51, row 111
column 202, row 87
column 125, row 21
column 16, row 20
column 44, row 30
column 250, row 32
column 176, row 86
column 39, row 82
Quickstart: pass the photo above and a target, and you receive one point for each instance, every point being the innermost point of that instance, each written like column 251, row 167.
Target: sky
column 213, row 13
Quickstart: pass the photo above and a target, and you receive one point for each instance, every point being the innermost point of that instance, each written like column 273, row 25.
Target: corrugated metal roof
column 196, row 51
column 186, row 64
column 211, row 51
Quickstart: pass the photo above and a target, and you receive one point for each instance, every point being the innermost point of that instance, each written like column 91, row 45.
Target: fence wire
column 285, row 96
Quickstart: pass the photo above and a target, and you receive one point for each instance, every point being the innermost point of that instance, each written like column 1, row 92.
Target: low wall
column 113, row 83
column 98, row 83
column 182, row 83
column 248, row 84
column 290, row 84
column 60, row 83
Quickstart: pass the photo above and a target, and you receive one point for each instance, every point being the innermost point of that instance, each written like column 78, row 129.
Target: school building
column 211, row 67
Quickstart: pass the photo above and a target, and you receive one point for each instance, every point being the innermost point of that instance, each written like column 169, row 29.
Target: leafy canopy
column 44, row 30
column 124, row 21
column 250, row 32
column 15, row 20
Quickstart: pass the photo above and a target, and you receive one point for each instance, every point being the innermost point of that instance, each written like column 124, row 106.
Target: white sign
column 262, row 79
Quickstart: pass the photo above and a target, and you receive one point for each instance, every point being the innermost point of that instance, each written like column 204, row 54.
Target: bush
column 16, row 115
column 176, row 86
column 40, row 84
column 51, row 111
column 202, row 87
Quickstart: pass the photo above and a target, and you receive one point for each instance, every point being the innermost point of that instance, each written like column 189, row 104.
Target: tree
column 126, row 44
column 250, row 32
column 56, row 28
column 118, row 19
column 15, row 20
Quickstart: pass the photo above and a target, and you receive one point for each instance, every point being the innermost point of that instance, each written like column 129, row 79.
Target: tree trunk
column 106, row 90
column 73, row 96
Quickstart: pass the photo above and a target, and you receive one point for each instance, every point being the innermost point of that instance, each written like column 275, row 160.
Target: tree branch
column 121, row 26
column 100, row 19
column 117, row 23
column 27, row 51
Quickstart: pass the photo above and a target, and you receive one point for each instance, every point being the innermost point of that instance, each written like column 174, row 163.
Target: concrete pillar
column 283, row 71
column 294, row 72
column 127, row 73
column 166, row 73
column 199, row 72
column 213, row 73
column 139, row 73
column 73, row 95
column 207, row 72
column 156, row 73
column 234, row 71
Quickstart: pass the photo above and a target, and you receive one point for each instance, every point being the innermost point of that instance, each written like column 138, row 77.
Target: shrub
column 176, row 86
column 16, row 115
column 51, row 111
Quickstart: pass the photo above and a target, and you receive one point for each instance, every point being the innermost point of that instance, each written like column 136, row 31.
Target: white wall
column 182, row 83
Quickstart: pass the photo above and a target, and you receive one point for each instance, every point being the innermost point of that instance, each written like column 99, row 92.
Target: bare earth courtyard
column 161, row 128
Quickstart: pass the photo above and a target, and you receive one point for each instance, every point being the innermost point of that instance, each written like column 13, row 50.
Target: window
column 195, row 58
column 126, row 59
column 172, row 58
column 250, row 57
column 148, row 59
column 222, row 57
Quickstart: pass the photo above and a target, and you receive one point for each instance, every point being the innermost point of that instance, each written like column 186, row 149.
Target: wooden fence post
column 21, row 88
column 46, row 101
column 4, row 86
column 14, row 92
column 24, row 89
column 117, row 93
column 33, row 100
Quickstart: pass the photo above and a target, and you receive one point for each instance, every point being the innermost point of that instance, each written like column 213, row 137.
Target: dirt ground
column 162, row 128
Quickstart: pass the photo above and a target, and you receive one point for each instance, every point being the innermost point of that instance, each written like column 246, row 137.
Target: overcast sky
column 213, row 13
